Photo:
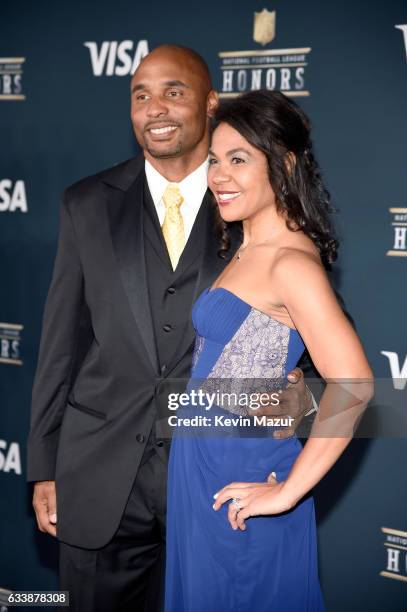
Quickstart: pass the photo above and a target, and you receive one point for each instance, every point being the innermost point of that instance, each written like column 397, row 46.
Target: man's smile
column 161, row 131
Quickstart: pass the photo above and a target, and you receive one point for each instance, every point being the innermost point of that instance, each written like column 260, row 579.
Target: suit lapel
column 158, row 244
column 126, row 224
column 196, row 242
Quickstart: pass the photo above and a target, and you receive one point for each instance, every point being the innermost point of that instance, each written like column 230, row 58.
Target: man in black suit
column 117, row 325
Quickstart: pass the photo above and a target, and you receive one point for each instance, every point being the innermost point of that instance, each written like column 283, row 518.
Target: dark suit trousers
column 126, row 575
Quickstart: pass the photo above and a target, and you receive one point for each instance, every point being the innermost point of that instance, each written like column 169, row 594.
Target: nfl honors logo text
column 11, row 78
column 399, row 224
column 396, row 554
column 10, row 338
column 279, row 69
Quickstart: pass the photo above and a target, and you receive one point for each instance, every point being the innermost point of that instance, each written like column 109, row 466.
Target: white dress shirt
column 193, row 188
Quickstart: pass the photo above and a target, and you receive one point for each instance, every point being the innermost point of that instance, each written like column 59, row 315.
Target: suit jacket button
column 160, row 443
column 171, row 290
column 167, row 328
column 140, row 438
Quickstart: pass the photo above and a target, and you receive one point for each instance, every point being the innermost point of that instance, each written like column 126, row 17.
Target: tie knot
column 172, row 196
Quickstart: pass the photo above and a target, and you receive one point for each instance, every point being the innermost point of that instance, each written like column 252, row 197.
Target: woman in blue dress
column 241, row 531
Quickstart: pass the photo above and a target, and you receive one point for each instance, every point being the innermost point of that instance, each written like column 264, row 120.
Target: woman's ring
column 236, row 501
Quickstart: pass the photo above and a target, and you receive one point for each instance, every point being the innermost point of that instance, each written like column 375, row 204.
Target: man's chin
column 165, row 152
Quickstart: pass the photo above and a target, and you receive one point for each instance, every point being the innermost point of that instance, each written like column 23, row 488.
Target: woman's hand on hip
column 252, row 499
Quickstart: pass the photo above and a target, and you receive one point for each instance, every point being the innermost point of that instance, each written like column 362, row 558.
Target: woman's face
column 238, row 175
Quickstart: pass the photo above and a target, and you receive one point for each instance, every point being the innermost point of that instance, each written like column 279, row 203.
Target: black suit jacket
column 97, row 376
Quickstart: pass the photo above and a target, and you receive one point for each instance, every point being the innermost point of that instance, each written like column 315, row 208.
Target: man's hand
column 294, row 401
column 45, row 506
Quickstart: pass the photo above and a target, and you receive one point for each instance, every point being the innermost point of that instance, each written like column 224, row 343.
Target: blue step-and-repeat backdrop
column 64, row 114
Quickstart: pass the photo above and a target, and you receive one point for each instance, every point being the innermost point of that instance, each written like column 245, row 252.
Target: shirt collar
column 192, row 187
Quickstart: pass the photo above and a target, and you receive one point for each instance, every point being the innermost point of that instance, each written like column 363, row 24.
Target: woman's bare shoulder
column 296, row 255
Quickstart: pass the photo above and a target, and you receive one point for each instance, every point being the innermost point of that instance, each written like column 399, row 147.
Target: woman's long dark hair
column 274, row 124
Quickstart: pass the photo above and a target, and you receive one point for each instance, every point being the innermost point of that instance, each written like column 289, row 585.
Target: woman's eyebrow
column 232, row 152
column 238, row 150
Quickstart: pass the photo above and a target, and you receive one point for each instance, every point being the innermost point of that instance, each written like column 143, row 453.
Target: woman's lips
column 225, row 197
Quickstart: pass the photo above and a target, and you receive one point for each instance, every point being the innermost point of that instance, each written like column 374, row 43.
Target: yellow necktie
column 173, row 225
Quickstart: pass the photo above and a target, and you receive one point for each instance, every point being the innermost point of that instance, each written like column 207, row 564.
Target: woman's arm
column 338, row 355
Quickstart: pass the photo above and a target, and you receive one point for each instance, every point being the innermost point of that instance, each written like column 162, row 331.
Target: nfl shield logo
column 264, row 26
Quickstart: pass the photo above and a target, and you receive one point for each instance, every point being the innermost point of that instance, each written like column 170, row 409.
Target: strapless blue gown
column 272, row 566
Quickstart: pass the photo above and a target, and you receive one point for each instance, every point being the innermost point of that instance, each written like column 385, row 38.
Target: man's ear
column 290, row 161
column 212, row 102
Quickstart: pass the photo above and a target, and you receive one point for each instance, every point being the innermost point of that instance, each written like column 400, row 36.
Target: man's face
column 168, row 106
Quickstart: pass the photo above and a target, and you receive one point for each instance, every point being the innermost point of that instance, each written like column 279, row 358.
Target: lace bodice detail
column 238, row 349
